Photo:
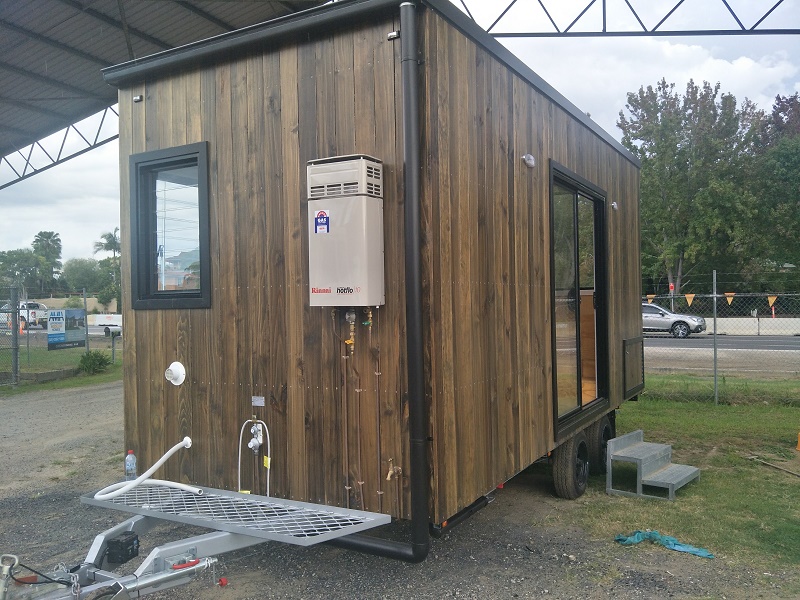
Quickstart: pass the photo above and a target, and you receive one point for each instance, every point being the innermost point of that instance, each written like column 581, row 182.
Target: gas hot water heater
column 345, row 231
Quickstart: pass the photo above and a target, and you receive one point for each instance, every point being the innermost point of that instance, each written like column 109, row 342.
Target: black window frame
column 144, row 292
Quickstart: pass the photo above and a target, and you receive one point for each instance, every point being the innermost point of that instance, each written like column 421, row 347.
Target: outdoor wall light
column 615, row 206
column 529, row 160
column 138, row 98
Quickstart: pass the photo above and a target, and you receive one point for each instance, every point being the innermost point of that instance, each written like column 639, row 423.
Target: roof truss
column 592, row 28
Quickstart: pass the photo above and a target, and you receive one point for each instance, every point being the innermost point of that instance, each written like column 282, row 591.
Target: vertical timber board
column 312, row 335
column 486, row 389
column 131, row 141
column 501, row 205
column 446, row 434
column 429, row 237
column 463, row 230
column 253, row 265
column 278, row 245
column 523, row 176
column 541, row 358
column 208, row 424
column 296, row 293
column 226, row 306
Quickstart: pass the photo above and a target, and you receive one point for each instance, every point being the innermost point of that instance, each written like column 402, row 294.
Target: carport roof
column 52, row 51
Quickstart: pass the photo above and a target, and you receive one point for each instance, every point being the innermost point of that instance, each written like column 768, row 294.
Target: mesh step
column 298, row 523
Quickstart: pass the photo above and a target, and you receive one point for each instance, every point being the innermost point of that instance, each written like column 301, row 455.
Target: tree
column 695, row 151
column 47, row 245
column 20, row 268
column 83, row 273
column 109, row 242
column 111, row 278
column 785, row 117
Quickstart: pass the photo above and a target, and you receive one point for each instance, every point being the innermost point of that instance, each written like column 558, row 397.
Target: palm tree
column 47, row 245
column 109, row 243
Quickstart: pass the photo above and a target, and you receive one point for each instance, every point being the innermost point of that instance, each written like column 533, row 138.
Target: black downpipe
column 418, row 549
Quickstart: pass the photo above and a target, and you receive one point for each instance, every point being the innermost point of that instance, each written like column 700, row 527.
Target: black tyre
column 680, row 330
column 571, row 467
column 597, row 436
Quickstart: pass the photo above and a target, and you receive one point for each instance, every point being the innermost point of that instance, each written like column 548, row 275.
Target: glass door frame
column 582, row 414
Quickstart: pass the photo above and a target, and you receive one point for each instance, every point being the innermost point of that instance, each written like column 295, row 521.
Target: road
column 724, row 342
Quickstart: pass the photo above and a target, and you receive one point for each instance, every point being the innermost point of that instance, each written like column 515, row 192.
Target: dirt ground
column 56, row 446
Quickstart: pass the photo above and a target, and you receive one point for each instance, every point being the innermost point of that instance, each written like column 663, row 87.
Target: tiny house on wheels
column 384, row 266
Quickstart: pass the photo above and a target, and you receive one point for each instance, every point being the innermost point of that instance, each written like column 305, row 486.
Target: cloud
column 79, row 200
column 597, row 74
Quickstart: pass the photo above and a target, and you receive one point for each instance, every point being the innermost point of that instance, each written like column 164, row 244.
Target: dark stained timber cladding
column 338, row 420
column 486, row 226
column 335, row 424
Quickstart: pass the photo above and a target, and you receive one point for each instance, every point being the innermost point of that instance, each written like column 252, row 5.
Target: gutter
column 418, row 548
column 207, row 51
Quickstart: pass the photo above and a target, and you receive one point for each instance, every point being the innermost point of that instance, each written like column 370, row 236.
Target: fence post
column 14, row 305
column 86, row 320
column 716, row 386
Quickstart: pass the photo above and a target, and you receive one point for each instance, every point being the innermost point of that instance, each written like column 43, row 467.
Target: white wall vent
column 351, row 175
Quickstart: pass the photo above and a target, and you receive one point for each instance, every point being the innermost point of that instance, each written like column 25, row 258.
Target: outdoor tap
column 258, row 437
column 393, row 471
column 350, row 317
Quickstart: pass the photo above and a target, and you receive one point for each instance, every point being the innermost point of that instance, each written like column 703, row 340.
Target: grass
column 114, row 373
column 36, row 358
column 732, row 390
column 743, row 511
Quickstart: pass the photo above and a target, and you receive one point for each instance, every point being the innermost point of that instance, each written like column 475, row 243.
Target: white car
column 30, row 313
column 657, row 318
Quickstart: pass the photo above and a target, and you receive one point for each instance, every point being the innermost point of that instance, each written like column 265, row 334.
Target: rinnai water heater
column 345, row 231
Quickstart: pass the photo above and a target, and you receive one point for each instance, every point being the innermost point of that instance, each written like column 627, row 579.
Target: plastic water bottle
column 130, row 466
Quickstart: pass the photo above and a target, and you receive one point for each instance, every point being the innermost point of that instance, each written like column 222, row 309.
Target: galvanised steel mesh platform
column 299, row 523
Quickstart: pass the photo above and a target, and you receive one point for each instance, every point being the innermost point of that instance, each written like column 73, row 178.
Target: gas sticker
column 322, row 220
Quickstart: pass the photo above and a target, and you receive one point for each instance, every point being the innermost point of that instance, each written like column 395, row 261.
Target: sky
column 80, row 199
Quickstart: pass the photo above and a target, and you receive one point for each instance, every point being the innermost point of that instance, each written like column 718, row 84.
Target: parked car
column 657, row 318
column 30, row 313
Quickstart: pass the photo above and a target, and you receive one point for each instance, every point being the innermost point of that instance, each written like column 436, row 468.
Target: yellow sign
column 650, row 298
column 689, row 298
column 772, row 300
column 729, row 296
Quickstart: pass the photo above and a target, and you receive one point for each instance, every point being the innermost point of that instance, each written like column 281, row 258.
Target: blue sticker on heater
column 322, row 221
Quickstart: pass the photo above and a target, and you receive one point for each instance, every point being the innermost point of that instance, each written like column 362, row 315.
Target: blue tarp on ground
column 664, row 540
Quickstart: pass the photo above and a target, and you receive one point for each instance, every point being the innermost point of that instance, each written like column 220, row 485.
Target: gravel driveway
column 58, row 445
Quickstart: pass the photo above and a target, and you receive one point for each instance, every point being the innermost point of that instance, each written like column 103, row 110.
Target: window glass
column 170, row 255
column 177, row 239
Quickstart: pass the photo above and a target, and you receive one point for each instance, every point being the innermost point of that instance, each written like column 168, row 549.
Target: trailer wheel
column 571, row 467
column 597, row 436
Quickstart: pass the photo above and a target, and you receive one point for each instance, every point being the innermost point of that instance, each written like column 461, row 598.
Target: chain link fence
column 26, row 352
column 744, row 347
column 9, row 341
